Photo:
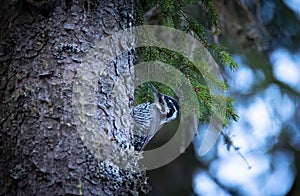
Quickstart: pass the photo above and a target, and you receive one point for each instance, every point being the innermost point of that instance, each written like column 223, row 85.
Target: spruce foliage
column 172, row 14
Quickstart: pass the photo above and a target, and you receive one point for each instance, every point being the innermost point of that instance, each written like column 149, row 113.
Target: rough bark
column 43, row 43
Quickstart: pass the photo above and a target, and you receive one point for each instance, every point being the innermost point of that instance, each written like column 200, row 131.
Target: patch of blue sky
column 263, row 177
column 243, row 77
column 286, row 67
column 203, row 184
column 294, row 5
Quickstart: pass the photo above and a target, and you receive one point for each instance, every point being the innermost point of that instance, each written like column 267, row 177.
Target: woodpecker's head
column 167, row 105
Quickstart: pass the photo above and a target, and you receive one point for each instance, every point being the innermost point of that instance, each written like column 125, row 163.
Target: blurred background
column 264, row 38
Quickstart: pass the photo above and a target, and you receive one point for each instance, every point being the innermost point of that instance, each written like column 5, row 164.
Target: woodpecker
column 150, row 117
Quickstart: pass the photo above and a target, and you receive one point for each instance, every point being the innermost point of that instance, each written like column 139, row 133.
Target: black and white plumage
column 150, row 117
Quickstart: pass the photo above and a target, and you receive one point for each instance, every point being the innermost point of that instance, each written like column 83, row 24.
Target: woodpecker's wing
column 147, row 120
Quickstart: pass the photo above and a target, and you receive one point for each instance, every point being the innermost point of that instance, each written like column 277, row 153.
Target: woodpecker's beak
column 155, row 92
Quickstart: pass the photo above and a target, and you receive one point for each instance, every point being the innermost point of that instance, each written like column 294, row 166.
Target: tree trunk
column 43, row 151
